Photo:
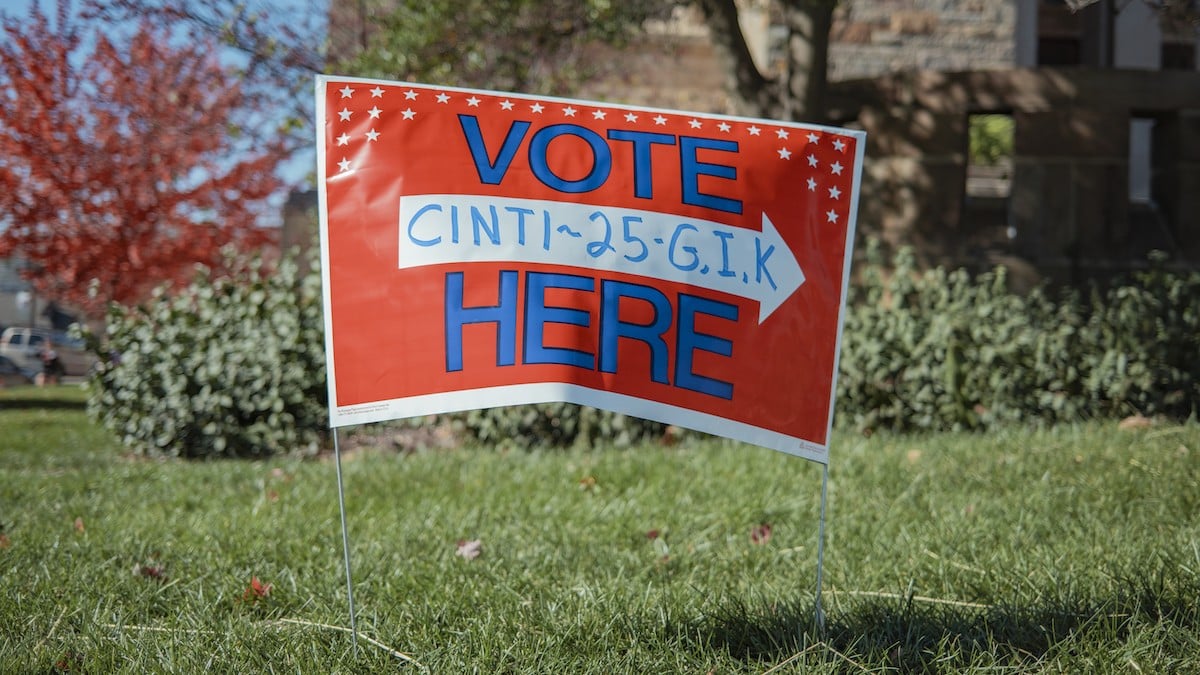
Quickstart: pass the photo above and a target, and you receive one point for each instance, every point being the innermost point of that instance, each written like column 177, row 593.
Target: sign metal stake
column 337, row 454
column 820, row 613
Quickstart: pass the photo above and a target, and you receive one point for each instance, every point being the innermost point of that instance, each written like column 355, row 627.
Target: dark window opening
column 986, row 209
column 1178, row 56
column 1059, row 51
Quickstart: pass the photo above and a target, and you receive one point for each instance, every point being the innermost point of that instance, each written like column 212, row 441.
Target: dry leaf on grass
column 1135, row 422
column 760, row 534
column 469, row 550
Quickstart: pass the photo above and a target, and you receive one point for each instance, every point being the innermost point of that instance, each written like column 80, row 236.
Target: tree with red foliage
column 120, row 162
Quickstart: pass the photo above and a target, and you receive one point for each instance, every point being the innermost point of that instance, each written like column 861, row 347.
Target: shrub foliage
column 235, row 366
column 938, row 350
column 231, row 366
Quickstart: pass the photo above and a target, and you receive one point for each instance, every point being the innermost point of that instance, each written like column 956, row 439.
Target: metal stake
column 337, row 455
column 820, row 613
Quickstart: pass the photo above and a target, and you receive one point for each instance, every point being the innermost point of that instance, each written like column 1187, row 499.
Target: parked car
column 24, row 347
column 11, row 375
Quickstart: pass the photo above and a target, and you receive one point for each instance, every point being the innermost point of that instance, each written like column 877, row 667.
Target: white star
column 839, row 145
column 723, row 127
column 836, row 168
column 812, row 185
column 344, row 165
column 377, row 92
column 442, row 97
column 410, row 95
column 812, row 160
column 408, row 113
column 347, row 92
column 473, row 102
column 660, row 120
column 754, row 131
column 694, row 123
column 782, row 133
column 537, row 107
column 343, row 139
column 506, row 104
column 372, row 135
column 374, row 112
column 344, row 114
column 813, row 138
column 834, row 193
column 784, row 153
column 630, row 117
column 831, row 215
column 569, row 111
column 598, row 114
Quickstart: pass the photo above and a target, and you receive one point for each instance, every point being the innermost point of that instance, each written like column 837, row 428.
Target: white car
column 12, row 375
column 24, row 347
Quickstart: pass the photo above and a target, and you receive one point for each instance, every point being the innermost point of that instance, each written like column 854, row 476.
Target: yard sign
column 484, row 249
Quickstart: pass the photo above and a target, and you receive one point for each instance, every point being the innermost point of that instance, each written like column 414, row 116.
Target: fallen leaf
column 150, row 571
column 1135, row 422
column 760, row 534
column 587, row 482
column 70, row 661
column 79, row 525
column 469, row 550
column 5, row 542
column 672, row 435
column 256, row 590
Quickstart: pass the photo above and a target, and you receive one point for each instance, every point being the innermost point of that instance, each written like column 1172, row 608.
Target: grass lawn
column 1070, row 550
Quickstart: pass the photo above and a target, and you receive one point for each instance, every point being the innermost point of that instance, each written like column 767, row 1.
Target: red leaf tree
column 120, row 161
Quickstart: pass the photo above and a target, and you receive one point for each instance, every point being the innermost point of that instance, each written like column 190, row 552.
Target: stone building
column 1101, row 108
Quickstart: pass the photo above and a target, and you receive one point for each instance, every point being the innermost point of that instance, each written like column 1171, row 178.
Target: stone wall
column 876, row 37
column 1069, row 209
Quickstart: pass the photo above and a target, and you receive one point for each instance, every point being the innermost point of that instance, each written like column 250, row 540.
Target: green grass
column 1070, row 550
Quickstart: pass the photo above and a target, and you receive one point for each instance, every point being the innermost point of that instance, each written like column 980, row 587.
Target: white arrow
column 440, row 229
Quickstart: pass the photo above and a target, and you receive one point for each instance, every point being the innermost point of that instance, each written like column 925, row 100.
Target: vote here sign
column 483, row 249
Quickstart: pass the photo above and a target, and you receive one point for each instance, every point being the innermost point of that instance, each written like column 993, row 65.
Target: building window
column 1059, row 51
column 1178, row 56
column 1059, row 34
column 986, row 212
column 1141, row 137
column 989, row 155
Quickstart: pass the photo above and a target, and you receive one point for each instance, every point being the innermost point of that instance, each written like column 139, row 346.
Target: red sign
column 483, row 249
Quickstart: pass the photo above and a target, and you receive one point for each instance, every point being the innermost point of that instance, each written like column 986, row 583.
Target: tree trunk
column 808, row 24
column 798, row 93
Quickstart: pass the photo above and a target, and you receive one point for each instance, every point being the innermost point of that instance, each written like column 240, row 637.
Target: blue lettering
column 760, row 263
column 413, row 221
column 642, row 142
column 680, row 229
column 692, row 168
column 478, row 222
column 491, row 173
column 601, row 158
column 724, row 237
column 503, row 314
column 521, row 213
column 537, row 315
column 612, row 329
column 689, row 340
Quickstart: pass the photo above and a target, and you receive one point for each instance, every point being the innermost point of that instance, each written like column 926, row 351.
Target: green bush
column 234, row 366
column 1143, row 345
column 557, row 425
column 938, row 350
column 226, row 367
